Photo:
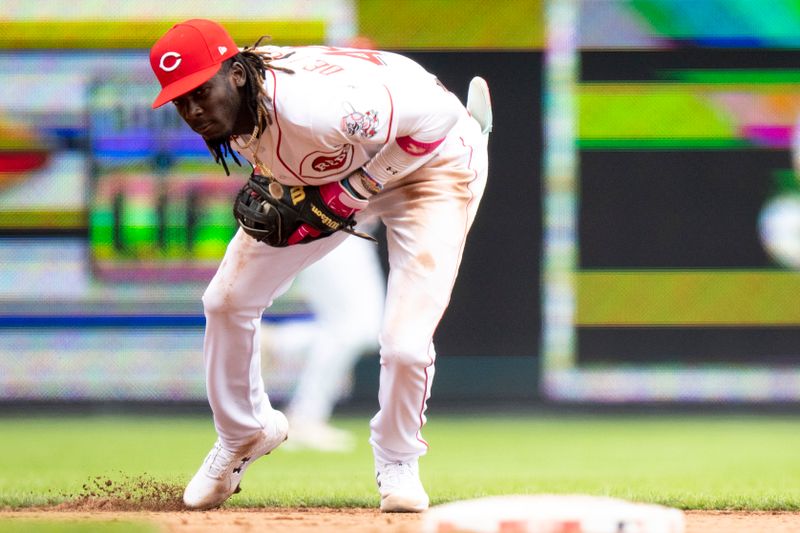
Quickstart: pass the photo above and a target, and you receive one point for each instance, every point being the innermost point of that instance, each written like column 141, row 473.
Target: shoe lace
column 396, row 474
column 218, row 460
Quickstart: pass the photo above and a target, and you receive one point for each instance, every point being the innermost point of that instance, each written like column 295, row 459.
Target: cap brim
column 185, row 84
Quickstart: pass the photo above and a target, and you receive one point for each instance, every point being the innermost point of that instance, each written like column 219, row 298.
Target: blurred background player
column 347, row 313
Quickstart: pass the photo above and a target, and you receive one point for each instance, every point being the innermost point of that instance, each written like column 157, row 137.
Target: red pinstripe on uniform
column 278, row 124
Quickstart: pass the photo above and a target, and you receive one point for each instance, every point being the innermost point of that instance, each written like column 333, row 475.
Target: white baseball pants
column 427, row 216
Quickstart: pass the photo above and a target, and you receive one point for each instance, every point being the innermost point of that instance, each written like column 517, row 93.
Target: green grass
column 695, row 462
column 75, row 526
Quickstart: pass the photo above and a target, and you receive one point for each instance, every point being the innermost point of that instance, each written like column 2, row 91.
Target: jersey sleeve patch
column 364, row 124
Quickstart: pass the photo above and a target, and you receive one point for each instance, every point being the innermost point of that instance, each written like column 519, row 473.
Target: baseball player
column 341, row 136
column 332, row 342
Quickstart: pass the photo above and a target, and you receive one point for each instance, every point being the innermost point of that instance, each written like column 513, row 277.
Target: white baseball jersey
column 346, row 108
column 342, row 109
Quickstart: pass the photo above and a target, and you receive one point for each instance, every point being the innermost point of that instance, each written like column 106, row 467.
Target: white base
column 552, row 513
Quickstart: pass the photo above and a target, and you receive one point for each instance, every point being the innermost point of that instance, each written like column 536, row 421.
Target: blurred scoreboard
column 672, row 210
column 160, row 207
column 113, row 218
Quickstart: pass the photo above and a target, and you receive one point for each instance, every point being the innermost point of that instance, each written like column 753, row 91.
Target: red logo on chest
column 321, row 164
column 324, row 163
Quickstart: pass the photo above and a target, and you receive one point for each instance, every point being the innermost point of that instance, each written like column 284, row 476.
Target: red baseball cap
column 189, row 55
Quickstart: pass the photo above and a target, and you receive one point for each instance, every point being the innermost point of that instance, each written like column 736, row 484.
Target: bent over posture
column 335, row 136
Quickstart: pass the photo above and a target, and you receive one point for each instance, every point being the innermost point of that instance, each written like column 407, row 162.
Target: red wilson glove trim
column 338, row 200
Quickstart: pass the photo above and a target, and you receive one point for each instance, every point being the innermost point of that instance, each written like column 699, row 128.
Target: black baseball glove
column 270, row 212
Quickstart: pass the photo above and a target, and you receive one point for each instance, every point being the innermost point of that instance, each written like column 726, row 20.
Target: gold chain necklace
column 255, row 137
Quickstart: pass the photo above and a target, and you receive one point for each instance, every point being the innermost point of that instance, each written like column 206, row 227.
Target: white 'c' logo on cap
column 162, row 64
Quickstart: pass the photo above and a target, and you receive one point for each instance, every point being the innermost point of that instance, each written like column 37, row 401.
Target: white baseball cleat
column 479, row 103
column 222, row 470
column 400, row 487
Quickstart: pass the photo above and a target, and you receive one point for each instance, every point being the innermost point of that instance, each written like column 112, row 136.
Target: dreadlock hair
column 255, row 63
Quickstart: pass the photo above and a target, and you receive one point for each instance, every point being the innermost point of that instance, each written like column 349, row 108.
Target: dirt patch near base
column 316, row 520
column 128, row 493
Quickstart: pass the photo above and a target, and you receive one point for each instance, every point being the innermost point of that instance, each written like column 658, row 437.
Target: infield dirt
column 144, row 499
column 316, row 520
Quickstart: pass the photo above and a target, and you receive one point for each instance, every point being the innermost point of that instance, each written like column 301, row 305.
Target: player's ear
column 238, row 74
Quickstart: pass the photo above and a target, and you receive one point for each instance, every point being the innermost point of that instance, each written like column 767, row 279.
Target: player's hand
column 336, row 199
column 281, row 215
